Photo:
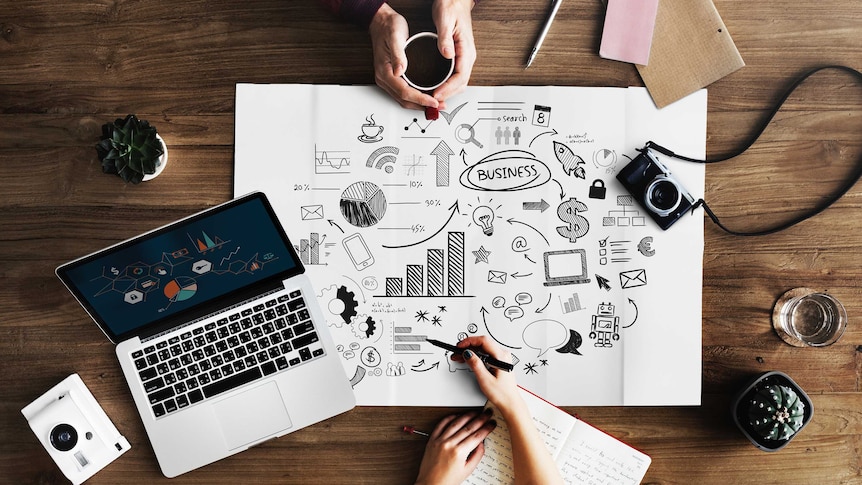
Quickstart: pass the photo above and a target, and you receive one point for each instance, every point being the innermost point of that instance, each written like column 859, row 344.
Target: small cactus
column 129, row 148
column 776, row 412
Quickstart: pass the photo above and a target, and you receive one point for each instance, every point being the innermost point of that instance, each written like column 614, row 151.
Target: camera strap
column 849, row 183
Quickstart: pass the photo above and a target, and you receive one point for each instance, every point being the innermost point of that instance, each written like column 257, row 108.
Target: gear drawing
column 363, row 327
column 338, row 301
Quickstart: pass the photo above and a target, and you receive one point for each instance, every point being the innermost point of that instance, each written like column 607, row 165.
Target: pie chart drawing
column 181, row 289
column 604, row 157
column 363, row 204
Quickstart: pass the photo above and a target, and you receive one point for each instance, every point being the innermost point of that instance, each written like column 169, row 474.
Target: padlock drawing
column 597, row 189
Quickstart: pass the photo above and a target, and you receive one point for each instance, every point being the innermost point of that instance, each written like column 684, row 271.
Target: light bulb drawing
column 484, row 217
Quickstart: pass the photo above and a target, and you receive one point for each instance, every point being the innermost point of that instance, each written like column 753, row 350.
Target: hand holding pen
column 486, row 358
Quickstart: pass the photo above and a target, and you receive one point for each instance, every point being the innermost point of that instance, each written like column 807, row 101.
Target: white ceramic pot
column 163, row 160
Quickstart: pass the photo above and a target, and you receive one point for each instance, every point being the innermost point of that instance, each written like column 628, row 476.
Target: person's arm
column 532, row 460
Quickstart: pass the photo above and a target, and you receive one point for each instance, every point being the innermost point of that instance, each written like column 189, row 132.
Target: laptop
column 566, row 267
column 218, row 332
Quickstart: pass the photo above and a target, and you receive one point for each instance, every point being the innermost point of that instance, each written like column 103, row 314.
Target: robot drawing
column 605, row 327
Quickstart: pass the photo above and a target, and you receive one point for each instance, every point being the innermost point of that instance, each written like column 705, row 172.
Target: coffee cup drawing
column 371, row 131
column 427, row 69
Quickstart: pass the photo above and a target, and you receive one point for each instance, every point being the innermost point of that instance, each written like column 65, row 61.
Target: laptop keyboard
column 221, row 355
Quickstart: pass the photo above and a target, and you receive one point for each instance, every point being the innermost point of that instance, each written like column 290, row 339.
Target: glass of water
column 804, row 317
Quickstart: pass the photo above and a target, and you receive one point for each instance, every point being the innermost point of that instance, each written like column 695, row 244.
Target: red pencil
column 411, row 430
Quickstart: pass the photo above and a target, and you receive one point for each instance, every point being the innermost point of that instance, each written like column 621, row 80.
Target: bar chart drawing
column 571, row 304
column 405, row 341
column 309, row 248
column 442, row 275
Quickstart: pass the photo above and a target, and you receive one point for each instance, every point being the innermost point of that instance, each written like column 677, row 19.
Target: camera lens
column 64, row 437
column 662, row 196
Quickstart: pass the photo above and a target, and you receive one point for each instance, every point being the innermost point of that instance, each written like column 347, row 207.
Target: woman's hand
column 455, row 39
column 389, row 33
column 498, row 385
column 455, row 448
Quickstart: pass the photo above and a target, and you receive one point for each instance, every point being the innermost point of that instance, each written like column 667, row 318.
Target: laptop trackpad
column 252, row 415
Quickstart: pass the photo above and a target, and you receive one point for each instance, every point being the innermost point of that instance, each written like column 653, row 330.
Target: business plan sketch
column 503, row 218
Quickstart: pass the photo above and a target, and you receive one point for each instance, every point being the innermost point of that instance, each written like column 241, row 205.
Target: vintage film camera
column 75, row 430
column 655, row 189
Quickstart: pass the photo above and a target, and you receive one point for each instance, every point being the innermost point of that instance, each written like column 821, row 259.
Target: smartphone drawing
column 358, row 251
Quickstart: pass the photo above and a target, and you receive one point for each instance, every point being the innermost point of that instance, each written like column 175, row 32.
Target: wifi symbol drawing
column 383, row 159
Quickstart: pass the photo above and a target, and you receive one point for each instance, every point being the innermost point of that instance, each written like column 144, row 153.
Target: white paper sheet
column 411, row 229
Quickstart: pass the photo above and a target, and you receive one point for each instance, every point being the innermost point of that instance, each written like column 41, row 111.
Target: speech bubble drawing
column 498, row 302
column 524, row 298
column 513, row 313
column 571, row 347
column 544, row 335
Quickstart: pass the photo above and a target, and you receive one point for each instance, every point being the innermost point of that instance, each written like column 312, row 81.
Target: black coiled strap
column 850, row 182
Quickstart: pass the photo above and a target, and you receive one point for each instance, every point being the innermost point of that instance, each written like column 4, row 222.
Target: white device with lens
column 75, row 430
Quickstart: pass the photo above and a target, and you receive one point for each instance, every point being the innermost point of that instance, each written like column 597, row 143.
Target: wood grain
column 68, row 67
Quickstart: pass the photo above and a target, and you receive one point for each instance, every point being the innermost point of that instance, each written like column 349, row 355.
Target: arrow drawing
column 603, row 282
column 511, row 221
column 332, row 223
column 435, row 365
column 540, row 310
column 552, row 133
column 636, row 314
column 485, row 321
column 533, row 206
column 442, row 152
column 453, row 208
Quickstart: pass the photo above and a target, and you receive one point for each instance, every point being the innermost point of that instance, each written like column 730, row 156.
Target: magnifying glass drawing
column 464, row 133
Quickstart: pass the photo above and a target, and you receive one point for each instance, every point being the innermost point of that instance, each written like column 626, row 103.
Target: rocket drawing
column 571, row 162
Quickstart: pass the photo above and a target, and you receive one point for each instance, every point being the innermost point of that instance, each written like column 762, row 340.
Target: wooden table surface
column 68, row 67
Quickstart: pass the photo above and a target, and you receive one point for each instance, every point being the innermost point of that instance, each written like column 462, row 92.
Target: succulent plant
column 129, row 148
column 776, row 412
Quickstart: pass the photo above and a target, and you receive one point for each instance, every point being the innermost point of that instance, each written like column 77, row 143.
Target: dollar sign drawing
column 577, row 225
column 370, row 356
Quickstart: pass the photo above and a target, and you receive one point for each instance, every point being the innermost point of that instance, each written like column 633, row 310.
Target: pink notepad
column 627, row 35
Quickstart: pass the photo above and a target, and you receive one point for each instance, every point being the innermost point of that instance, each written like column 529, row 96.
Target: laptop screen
column 183, row 270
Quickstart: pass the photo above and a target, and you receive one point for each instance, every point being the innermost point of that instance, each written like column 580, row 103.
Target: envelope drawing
column 633, row 278
column 498, row 277
column 311, row 212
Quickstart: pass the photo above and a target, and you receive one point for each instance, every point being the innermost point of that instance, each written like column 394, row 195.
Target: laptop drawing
column 218, row 332
column 566, row 267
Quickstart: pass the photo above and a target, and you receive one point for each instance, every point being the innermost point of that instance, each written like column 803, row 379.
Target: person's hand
column 455, row 448
column 498, row 385
column 389, row 33
column 454, row 39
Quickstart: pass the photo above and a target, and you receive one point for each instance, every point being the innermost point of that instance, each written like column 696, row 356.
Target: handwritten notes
column 584, row 454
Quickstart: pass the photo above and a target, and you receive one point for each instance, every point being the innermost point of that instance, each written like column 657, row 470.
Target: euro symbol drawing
column 577, row 225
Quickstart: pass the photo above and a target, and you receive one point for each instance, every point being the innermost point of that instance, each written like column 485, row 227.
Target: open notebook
column 584, row 454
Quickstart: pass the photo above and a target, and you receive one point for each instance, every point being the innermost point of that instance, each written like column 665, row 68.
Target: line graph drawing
column 331, row 161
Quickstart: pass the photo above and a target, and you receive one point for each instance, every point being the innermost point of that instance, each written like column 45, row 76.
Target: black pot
column 739, row 408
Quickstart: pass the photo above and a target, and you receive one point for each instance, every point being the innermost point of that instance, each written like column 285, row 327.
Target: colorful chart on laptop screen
column 192, row 264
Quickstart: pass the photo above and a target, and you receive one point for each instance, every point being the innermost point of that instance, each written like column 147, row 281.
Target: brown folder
column 691, row 48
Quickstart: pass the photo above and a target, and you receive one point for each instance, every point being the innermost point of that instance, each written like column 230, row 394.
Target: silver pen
column 544, row 32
